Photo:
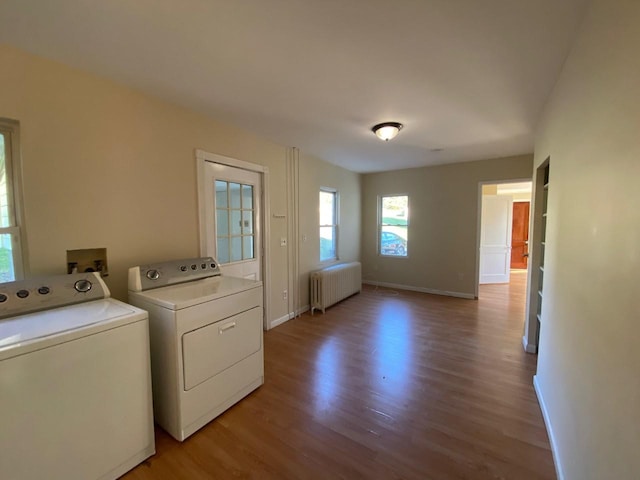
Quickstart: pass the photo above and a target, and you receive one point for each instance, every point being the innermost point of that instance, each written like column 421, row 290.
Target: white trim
column 201, row 158
column 289, row 316
column 232, row 162
column 411, row 288
column 280, row 321
column 547, row 423
column 528, row 347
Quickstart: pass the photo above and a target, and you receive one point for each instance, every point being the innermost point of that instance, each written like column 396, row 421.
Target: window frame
column 381, row 225
column 13, row 174
column 335, row 225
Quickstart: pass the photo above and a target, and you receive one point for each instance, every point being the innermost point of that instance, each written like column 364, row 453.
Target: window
column 235, row 215
column 11, row 264
column 328, row 225
column 393, row 225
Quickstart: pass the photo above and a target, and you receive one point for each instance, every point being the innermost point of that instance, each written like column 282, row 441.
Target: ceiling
column 467, row 78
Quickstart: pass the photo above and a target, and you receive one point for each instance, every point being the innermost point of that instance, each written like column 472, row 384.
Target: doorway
column 504, row 231
column 233, row 205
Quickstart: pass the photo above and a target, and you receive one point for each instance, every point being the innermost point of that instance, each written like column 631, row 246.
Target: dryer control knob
column 83, row 286
column 22, row 293
column 183, row 268
column 3, row 298
column 153, row 274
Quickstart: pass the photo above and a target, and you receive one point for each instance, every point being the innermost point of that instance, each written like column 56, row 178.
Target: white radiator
column 335, row 283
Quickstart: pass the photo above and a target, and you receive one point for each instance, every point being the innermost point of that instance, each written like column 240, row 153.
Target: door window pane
column 234, row 195
column 236, row 222
column 7, row 273
column 223, row 249
column 222, row 221
column 236, row 249
column 247, row 247
column 247, row 196
column 247, row 222
column 221, row 194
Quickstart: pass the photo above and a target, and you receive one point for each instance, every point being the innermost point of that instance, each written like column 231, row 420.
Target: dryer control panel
column 44, row 293
column 154, row 275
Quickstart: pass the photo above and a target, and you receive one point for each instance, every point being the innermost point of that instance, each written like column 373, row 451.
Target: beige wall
column 313, row 176
column 589, row 360
column 106, row 166
column 443, row 206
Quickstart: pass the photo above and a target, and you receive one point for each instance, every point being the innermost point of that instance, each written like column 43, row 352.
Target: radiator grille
column 335, row 283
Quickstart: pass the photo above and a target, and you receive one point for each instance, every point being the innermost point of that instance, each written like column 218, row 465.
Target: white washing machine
column 75, row 381
column 206, row 339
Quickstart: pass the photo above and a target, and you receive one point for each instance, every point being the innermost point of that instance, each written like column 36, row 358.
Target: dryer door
column 209, row 350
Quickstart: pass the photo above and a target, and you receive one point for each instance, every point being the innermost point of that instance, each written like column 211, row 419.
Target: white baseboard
column 527, row 346
column 280, row 321
column 547, row 423
column 398, row 286
column 287, row 317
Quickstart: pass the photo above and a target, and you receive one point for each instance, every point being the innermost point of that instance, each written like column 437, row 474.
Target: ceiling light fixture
column 387, row 130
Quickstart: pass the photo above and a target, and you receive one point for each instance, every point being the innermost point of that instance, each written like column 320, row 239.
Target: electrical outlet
column 285, row 294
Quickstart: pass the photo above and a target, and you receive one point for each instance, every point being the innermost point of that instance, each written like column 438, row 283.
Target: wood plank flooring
column 385, row 385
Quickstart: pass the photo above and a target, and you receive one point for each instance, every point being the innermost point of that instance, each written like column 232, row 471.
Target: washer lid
column 177, row 297
column 32, row 326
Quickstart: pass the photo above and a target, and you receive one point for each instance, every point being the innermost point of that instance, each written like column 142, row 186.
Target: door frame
column 479, row 219
column 202, row 157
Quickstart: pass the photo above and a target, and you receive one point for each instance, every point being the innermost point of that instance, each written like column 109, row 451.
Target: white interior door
column 495, row 238
column 233, row 211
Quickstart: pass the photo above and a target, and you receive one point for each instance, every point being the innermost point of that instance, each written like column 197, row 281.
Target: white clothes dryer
column 206, row 339
column 75, row 380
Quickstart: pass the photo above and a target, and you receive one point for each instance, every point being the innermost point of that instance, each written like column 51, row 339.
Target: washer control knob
column 203, row 266
column 44, row 290
column 3, row 298
column 194, row 267
column 183, row 268
column 22, row 293
column 83, row 286
column 213, row 265
column 153, row 274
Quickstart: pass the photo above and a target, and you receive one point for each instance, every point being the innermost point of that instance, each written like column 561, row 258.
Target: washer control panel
column 44, row 293
column 146, row 277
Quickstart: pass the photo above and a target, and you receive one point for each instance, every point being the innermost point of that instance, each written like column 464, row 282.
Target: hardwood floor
column 385, row 385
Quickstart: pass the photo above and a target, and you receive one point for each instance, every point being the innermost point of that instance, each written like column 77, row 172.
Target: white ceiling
column 466, row 76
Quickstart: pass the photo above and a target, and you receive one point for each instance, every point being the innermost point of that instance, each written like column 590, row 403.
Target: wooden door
column 520, row 235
